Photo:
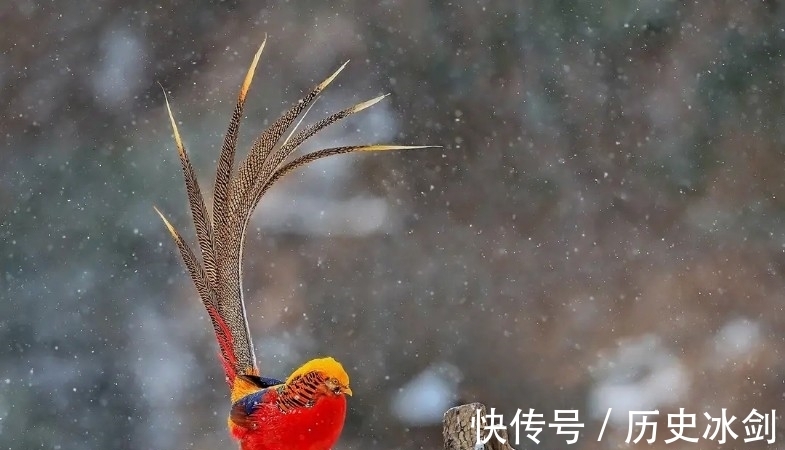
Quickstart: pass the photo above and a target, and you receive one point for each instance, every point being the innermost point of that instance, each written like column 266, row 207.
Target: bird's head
column 334, row 379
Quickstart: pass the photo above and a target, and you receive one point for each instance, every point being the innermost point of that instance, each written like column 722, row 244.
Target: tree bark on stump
column 459, row 434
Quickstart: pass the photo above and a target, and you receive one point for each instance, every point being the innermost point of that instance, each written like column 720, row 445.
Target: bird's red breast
column 259, row 423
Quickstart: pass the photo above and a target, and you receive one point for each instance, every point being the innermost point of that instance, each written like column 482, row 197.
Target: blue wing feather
column 243, row 408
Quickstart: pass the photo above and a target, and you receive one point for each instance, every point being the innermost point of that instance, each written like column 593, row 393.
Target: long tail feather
column 299, row 122
column 311, row 157
column 206, row 278
column 265, row 143
column 274, row 161
column 191, row 263
column 207, row 295
column 201, row 218
column 230, row 235
column 228, row 149
column 218, row 278
column 283, row 152
column 231, row 308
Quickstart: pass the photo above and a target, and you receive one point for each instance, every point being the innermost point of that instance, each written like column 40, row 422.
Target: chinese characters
column 641, row 426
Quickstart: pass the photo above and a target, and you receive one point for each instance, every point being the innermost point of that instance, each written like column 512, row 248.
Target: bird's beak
column 347, row 390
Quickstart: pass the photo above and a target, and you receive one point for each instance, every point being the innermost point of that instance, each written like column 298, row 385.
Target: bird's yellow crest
column 328, row 366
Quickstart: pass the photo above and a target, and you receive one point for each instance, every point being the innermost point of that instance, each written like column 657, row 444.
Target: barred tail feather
column 207, row 295
column 225, row 343
column 220, row 237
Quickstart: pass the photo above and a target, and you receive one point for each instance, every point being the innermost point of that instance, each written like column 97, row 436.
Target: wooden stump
column 459, row 434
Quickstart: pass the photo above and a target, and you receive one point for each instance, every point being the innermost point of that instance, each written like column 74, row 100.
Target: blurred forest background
column 603, row 227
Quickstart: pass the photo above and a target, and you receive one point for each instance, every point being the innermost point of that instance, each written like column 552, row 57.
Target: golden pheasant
column 307, row 410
